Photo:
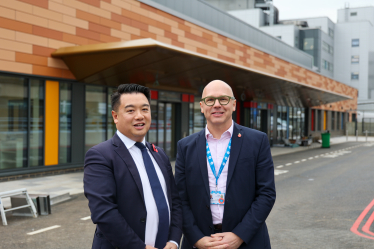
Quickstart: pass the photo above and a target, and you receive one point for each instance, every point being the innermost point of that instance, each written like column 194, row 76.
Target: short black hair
column 128, row 88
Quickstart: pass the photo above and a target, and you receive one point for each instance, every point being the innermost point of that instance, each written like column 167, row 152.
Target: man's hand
column 230, row 239
column 204, row 242
column 149, row 247
column 170, row 245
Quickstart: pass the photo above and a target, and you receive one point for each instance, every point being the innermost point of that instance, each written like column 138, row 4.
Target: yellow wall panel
column 324, row 120
column 51, row 122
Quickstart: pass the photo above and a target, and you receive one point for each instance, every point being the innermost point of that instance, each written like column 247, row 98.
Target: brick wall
column 31, row 29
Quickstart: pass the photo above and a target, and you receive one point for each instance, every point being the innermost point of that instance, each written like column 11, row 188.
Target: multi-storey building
column 342, row 51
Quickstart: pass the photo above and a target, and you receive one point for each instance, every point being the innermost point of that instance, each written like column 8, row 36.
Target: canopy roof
column 166, row 67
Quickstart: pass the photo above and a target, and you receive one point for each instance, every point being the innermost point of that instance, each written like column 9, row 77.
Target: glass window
column 161, row 124
column 190, row 121
column 308, row 43
column 331, row 32
column 353, row 13
column 319, row 120
column 36, row 147
column 331, row 67
column 355, row 76
column 325, row 46
column 331, row 50
column 96, row 113
column 338, row 120
column 332, row 121
column 342, row 121
column 355, row 59
column 152, row 133
column 355, row 42
column 325, row 65
column 199, row 119
column 13, row 122
column 64, row 155
column 111, row 126
column 291, row 126
column 303, row 122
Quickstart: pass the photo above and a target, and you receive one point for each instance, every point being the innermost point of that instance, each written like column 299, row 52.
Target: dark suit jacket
column 114, row 191
column 250, row 190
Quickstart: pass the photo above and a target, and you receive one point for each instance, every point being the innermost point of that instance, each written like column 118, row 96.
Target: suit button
column 142, row 220
column 207, row 207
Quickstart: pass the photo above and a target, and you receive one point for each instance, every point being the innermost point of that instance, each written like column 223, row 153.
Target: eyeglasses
column 223, row 100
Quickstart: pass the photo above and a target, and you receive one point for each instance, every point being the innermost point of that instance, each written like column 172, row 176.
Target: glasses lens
column 209, row 101
column 224, row 100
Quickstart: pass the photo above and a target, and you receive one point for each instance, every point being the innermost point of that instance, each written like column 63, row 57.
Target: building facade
column 60, row 60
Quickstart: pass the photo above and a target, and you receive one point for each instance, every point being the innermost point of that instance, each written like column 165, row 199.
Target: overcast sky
column 292, row 9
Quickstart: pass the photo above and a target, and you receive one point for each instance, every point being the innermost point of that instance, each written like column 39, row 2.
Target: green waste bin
column 325, row 140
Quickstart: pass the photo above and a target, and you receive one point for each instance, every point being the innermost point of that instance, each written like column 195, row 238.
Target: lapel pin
column 239, row 135
column 154, row 148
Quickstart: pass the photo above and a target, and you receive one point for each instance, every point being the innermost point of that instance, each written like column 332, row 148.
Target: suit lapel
column 164, row 171
column 201, row 154
column 236, row 145
column 123, row 152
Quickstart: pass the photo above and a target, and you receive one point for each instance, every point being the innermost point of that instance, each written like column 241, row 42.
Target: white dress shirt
column 218, row 149
column 151, row 225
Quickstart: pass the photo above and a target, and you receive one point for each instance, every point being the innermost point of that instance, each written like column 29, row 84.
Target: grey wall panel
column 209, row 17
column 77, row 123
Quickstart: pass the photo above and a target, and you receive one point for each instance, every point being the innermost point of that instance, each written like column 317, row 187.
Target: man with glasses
column 225, row 178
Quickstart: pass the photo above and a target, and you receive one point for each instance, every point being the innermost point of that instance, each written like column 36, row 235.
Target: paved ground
column 72, row 233
column 319, row 198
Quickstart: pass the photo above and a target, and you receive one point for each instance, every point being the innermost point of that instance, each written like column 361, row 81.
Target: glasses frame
column 217, row 98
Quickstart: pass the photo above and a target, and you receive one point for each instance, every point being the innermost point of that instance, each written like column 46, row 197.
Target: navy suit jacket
column 115, row 196
column 250, row 189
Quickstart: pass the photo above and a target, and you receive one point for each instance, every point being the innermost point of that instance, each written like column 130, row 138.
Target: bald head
column 218, row 116
column 217, row 85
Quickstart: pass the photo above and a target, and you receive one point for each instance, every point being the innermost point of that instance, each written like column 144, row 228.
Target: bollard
column 346, row 134
column 366, row 135
column 356, row 135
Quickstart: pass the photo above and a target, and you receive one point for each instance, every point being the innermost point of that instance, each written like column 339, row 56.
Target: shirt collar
column 229, row 130
column 127, row 141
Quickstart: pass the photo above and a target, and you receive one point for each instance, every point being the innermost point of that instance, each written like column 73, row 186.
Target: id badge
column 216, row 197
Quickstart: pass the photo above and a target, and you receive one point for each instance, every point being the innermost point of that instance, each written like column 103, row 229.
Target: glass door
column 166, row 128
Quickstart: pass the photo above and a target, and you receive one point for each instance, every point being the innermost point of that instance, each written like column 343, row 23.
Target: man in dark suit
column 225, row 178
column 129, row 183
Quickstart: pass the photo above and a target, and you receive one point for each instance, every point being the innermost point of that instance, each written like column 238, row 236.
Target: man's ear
column 115, row 117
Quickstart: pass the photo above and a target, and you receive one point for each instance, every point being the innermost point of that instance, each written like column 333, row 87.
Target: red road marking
column 366, row 227
column 360, row 219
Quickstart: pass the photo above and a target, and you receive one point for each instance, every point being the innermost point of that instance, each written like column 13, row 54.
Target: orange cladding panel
column 51, row 122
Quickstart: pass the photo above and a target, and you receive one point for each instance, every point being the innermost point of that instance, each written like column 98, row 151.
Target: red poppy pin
column 154, row 148
column 239, row 135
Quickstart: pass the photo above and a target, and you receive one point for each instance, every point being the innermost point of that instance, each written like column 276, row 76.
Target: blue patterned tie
column 158, row 194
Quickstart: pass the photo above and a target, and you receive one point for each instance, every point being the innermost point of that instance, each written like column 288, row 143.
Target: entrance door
column 167, row 127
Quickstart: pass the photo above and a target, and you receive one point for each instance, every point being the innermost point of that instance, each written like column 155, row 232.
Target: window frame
column 355, row 42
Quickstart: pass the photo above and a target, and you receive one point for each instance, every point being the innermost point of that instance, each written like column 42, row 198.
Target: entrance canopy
column 162, row 66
